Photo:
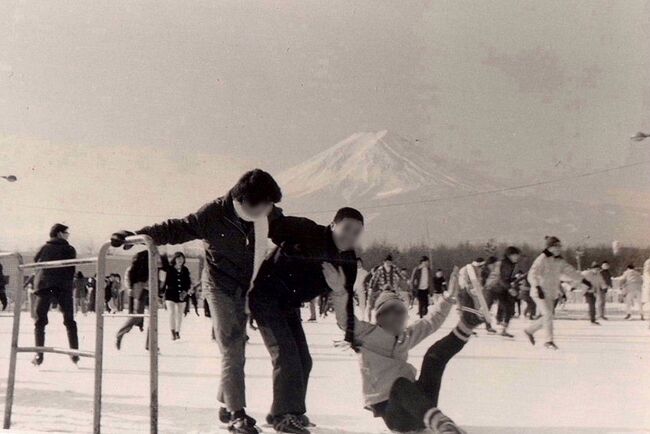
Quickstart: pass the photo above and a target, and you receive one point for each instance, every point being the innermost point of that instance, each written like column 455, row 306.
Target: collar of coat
column 550, row 255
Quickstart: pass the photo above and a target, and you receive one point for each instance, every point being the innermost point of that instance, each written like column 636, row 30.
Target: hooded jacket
column 548, row 272
column 383, row 356
column 55, row 278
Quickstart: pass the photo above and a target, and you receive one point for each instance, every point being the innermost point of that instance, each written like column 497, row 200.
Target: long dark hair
column 175, row 258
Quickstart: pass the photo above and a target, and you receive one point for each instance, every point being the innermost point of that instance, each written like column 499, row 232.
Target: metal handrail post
column 153, row 332
column 100, row 289
column 11, row 378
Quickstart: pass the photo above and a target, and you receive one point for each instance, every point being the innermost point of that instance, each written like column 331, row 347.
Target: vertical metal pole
column 15, row 331
column 153, row 334
column 99, row 336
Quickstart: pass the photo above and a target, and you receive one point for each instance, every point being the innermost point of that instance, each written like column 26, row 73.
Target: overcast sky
column 520, row 85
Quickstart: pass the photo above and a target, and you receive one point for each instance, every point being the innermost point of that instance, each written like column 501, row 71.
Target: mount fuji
column 410, row 195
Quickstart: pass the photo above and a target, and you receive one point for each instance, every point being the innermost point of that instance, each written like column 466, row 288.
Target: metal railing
column 98, row 353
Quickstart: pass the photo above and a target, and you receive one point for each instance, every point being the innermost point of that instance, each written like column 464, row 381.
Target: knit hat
column 552, row 241
column 386, row 300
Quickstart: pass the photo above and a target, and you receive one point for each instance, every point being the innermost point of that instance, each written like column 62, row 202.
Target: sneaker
column 242, row 425
column 289, row 423
column 530, row 337
column 505, row 334
column 551, row 345
column 37, row 360
column 490, row 329
column 628, row 316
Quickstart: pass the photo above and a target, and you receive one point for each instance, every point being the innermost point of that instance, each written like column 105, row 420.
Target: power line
column 378, row 206
column 487, row 192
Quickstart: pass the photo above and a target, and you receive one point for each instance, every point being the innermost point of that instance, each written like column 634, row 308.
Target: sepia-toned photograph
column 325, row 217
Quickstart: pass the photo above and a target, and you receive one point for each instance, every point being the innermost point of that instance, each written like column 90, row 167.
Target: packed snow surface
column 597, row 382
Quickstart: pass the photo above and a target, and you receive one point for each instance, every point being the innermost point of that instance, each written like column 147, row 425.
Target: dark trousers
column 284, row 337
column 506, row 308
column 409, row 401
column 423, row 302
column 46, row 298
column 139, row 305
column 591, row 301
column 3, row 296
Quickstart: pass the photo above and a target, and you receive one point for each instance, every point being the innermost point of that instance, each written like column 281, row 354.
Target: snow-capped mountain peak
column 370, row 165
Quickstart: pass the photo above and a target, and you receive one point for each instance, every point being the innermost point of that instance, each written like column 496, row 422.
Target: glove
column 118, row 239
column 540, row 293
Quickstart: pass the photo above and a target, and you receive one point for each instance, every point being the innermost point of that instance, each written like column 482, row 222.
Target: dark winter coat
column 2, row 279
column 417, row 276
column 607, row 278
column 177, row 284
column 294, row 271
column 501, row 275
column 439, row 284
column 55, row 278
column 228, row 240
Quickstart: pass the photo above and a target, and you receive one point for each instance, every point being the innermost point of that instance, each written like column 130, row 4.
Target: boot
column 39, row 341
column 73, row 340
column 174, row 335
column 289, row 423
column 178, row 335
column 438, row 422
column 551, row 345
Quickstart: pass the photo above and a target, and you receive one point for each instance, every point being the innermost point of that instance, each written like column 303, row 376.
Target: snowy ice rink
column 598, row 382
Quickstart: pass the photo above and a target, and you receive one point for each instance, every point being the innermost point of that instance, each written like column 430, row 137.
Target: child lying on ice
column 390, row 388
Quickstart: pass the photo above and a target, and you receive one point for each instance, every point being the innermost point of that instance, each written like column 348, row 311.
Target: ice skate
column 551, row 346
column 289, row 423
column 242, row 425
column 530, row 337
column 505, row 334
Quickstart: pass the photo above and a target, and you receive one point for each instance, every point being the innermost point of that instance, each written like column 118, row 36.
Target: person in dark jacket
column 422, row 281
column 55, row 284
column 177, row 286
column 606, row 274
column 3, row 290
column 80, row 293
column 137, row 280
column 498, row 286
column 234, row 230
column 291, row 276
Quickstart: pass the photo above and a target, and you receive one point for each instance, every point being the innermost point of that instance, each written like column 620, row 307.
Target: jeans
column 409, row 401
column 229, row 319
column 591, row 302
column 44, row 299
column 506, row 308
column 546, row 308
column 284, row 337
column 423, row 302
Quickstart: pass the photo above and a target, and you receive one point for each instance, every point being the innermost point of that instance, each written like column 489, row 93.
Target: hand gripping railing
column 98, row 354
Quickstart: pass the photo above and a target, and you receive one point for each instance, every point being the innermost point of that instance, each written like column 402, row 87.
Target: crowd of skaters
column 311, row 262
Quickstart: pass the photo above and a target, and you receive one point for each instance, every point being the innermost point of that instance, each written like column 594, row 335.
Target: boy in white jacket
column 546, row 274
column 390, row 388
